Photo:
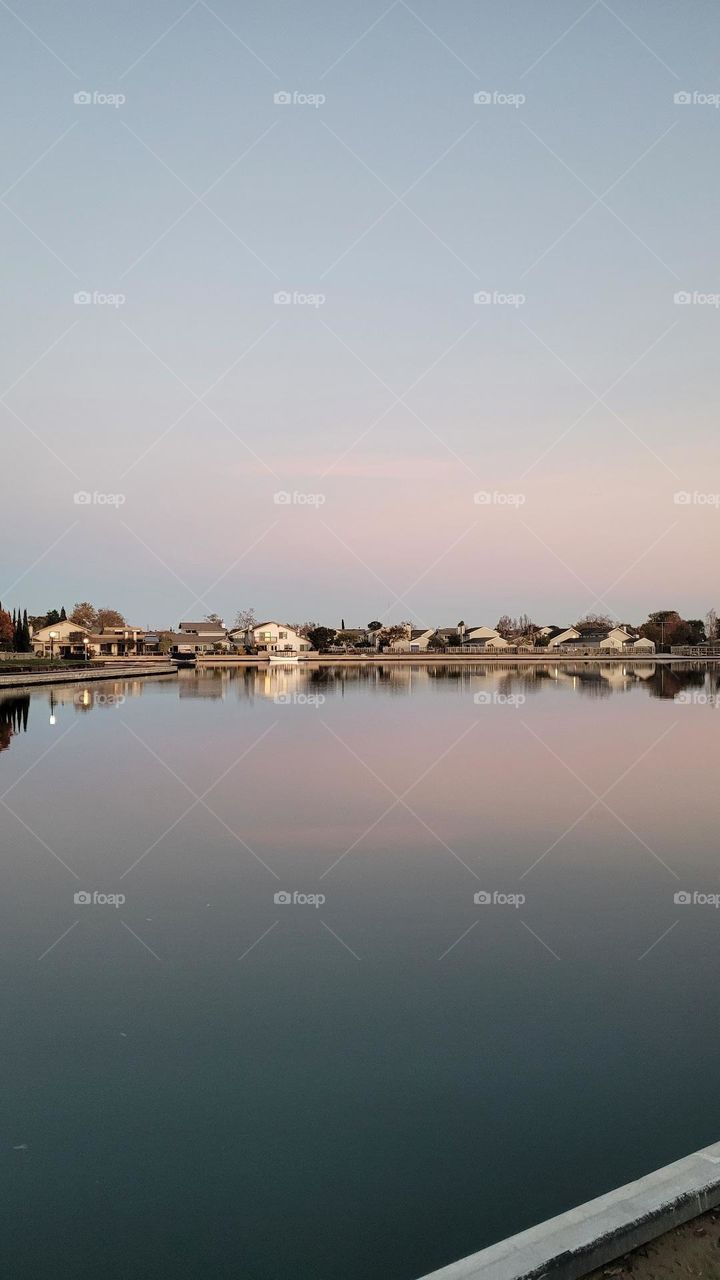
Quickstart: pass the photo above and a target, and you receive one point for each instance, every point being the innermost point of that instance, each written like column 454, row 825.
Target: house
column 203, row 637
column 270, row 637
column 415, row 640
column 570, row 635
column 473, row 637
column 60, row 640
column 618, row 638
column 643, row 645
column 485, row 637
column 115, row 642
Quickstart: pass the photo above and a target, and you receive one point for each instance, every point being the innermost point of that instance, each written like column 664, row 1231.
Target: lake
column 349, row 971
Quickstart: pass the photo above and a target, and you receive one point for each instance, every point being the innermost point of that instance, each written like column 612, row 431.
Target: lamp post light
column 86, row 647
column 54, row 635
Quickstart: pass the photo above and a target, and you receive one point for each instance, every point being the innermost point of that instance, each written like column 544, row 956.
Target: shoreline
column 31, row 679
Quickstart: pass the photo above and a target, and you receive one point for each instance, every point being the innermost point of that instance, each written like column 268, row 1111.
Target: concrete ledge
column 28, row 679
column 575, row 1243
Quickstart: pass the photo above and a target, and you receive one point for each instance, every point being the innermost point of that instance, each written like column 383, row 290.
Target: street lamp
column 86, row 647
column 54, row 635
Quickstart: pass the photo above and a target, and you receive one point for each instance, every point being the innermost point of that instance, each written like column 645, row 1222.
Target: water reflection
column 313, row 682
column 14, row 711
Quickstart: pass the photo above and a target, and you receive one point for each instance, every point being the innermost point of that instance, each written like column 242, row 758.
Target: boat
column 183, row 658
column 284, row 658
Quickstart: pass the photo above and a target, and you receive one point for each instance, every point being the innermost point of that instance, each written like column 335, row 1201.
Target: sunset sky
column 383, row 397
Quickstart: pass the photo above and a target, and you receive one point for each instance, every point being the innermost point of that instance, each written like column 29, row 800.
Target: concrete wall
column 575, row 1243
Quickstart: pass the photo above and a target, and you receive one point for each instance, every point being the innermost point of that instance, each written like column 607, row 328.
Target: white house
column 564, row 637
column 270, row 637
column 643, row 645
column 60, row 639
column 203, row 637
column 415, row 640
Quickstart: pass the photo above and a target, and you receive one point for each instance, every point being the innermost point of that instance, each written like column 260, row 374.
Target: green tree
column 51, row 617
column 63, row 615
column 321, row 638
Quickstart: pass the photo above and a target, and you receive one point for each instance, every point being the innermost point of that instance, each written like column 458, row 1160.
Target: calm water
column 204, row 1082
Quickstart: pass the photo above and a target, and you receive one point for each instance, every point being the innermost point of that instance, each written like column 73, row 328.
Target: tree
column 594, row 622
column 108, row 618
column 321, row 638
column 6, row 630
column 374, row 626
column 63, row 615
column 436, row 642
column 245, row 619
column 214, row 617
column 667, row 628
column 26, row 638
column 389, row 635
column 165, row 639
column 303, row 628
column 84, row 614
column 51, row 617
column 505, row 626
column 711, row 624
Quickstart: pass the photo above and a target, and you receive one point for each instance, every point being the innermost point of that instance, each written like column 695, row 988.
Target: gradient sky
column 397, row 199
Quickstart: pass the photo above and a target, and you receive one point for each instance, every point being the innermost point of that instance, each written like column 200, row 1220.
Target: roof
column 202, row 626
